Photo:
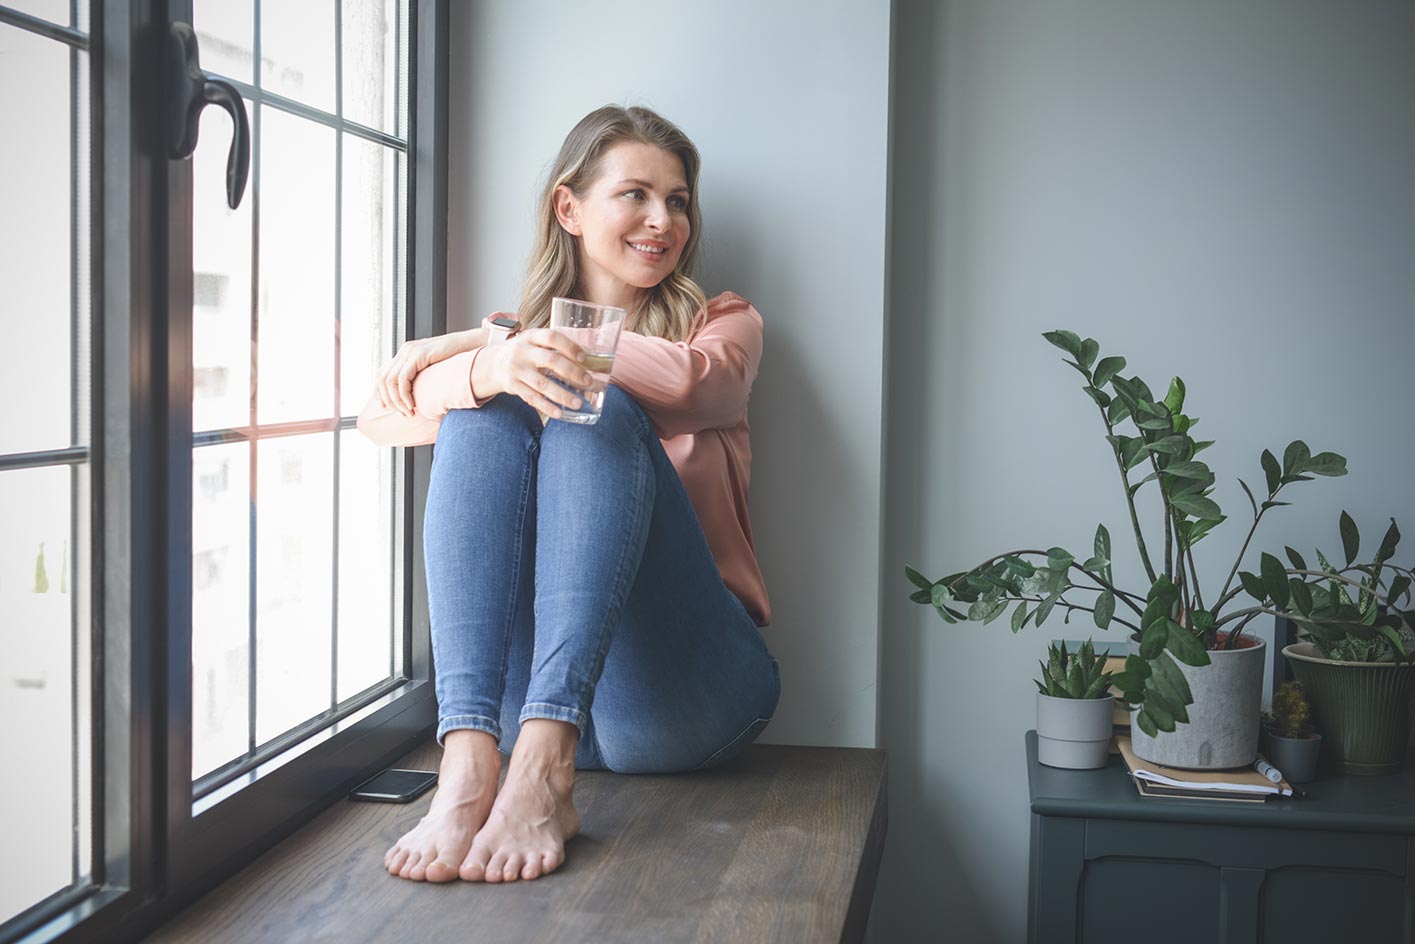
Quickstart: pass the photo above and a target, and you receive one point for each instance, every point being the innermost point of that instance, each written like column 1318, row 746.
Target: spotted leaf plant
column 1156, row 458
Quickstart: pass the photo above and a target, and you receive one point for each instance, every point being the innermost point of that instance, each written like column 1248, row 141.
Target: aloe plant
column 1074, row 675
column 1151, row 438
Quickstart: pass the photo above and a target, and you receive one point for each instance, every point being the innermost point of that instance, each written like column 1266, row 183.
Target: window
column 207, row 575
column 46, row 464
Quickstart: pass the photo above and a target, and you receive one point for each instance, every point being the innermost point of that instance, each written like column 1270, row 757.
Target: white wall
column 1218, row 190
column 788, row 104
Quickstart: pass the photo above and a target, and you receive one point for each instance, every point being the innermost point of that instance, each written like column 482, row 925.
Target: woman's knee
column 501, row 415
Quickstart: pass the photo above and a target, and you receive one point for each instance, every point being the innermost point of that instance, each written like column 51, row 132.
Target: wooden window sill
column 783, row 843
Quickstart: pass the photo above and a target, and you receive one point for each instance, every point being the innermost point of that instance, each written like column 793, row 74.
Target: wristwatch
column 503, row 329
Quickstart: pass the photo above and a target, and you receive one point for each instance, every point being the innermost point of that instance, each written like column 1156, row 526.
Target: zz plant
column 1152, row 443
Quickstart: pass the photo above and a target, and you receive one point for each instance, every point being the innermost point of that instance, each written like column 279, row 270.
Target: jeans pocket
column 736, row 745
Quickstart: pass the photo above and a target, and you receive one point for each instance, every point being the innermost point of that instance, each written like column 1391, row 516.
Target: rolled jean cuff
column 467, row 723
column 539, row 709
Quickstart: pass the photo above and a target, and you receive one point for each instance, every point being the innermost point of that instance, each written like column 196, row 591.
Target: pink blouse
column 695, row 392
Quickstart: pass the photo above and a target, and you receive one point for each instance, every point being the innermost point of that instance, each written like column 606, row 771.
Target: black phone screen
column 395, row 786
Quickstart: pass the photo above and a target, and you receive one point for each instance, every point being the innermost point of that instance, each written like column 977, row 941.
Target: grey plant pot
column 1295, row 757
column 1223, row 722
column 1362, row 709
column 1074, row 732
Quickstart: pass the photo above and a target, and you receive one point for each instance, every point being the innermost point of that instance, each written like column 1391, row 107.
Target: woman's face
column 632, row 222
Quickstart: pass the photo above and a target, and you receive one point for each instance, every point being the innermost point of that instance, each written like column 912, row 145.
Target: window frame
column 154, row 852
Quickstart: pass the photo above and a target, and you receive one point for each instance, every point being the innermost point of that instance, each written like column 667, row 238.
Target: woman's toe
column 395, row 864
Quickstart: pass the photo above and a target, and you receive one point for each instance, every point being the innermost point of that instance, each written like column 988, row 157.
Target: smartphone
column 395, row 786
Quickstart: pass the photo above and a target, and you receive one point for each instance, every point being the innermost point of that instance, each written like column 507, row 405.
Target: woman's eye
column 678, row 203
column 636, row 194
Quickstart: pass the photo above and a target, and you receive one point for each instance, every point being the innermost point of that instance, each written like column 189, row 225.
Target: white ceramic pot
column 1074, row 732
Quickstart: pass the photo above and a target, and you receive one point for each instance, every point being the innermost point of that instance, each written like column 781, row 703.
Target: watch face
column 507, row 323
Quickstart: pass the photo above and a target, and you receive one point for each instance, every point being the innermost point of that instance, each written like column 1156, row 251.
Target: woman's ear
column 567, row 210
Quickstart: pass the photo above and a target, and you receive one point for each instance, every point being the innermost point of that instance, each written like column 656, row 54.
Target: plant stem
column 1168, row 516
column 1223, row 595
column 1127, row 598
column 1188, row 549
column 1129, row 499
column 1074, row 606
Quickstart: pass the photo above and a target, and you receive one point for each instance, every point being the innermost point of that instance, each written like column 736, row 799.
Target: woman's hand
column 517, row 368
column 394, row 381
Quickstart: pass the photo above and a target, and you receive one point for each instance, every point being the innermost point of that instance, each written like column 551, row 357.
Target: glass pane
column 294, row 570
column 372, row 64
column 365, row 563
column 366, row 269
column 221, row 541
column 55, row 11
column 38, row 798
column 221, row 284
column 224, row 35
column 297, row 233
column 35, row 260
column 404, row 71
column 297, row 51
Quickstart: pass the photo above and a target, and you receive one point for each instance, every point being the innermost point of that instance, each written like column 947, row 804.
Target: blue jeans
column 568, row 578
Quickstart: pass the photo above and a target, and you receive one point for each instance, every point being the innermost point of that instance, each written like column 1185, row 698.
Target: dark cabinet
column 1108, row 865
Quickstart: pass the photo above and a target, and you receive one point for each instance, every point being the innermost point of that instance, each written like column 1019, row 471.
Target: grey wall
column 1218, row 190
column 788, row 104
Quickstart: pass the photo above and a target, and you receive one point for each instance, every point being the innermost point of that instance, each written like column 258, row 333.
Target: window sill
column 783, row 841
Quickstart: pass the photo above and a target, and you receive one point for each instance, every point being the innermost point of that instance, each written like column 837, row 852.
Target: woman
column 594, row 592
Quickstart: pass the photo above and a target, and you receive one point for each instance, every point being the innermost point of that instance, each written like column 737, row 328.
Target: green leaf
column 1188, row 470
column 1388, row 543
column 1102, row 543
column 1153, row 640
column 1170, row 679
column 1182, row 643
column 917, row 579
column 1169, row 445
column 1274, row 579
column 945, row 614
column 1095, row 564
column 1117, row 411
column 1301, row 595
column 1274, row 504
column 921, row 596
column 1068, row 341
column 1106, row 369
column 995, row 610
column 1202, row 620
column 1251, row 500
column 1138, row 667
column 1294, row 459
column 1101, row 397
column 940, row 594
column 1059, row 559
column 1202, row 444
column 1044, row 610
column 1018, row 566
column 1350, row 538
column 1175, row 398
column 1272, row 470
column 1019, row 617
column 1197, row 505
column 1146, row 723
column 1298, row 561
column 1159, row 702
column 1398, row 586
column 1326, row 463
column 1105, row 609
column 1089, row 349
column 1153, row 422
column 1160, row 718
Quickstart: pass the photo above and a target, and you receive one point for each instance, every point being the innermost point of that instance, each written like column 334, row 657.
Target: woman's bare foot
column 466, row 789
column 534, row 814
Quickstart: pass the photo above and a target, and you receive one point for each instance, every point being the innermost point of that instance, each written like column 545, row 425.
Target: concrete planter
column 1362, row 709
column 1223, row 721
column 1074, row 732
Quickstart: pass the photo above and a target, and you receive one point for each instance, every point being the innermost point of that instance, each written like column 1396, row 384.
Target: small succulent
column 1291, row 715
column 1074, row 675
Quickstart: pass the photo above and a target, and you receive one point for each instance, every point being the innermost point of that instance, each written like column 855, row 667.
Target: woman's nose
column 658, row 216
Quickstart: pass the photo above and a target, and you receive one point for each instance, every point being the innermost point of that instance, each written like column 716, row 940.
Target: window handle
column 190, row 90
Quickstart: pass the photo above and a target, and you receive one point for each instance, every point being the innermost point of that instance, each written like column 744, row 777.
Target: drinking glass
column 596, row 329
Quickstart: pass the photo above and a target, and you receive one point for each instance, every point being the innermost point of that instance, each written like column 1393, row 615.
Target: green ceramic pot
column 1361, row 709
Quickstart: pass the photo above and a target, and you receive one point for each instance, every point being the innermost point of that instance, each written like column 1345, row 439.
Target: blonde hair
column 672, row 308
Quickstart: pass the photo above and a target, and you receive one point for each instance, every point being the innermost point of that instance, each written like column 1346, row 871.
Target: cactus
column 1291, row 715
column 1074, row 675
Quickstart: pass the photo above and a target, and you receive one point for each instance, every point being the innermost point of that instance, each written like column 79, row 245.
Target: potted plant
column 1357, row 664
column 1194, row 675
column 1292, row 742
column 1074, row 709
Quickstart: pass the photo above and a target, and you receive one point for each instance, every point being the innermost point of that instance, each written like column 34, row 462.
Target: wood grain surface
column 781, row 844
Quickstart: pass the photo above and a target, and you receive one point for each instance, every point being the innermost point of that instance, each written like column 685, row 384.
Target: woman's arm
column 437, row 388
column 689, row 386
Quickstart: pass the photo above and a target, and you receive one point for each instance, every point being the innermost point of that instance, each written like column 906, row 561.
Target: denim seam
column 460, row 722
column 733, row 740
column 517, row 569
column 576, row 717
